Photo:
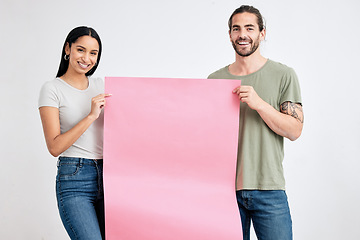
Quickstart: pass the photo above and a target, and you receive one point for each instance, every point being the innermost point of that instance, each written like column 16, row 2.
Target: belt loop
column 81, row 162
column 58, row 162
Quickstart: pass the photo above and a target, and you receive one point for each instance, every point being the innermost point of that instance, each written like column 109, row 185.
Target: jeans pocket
column 68, row 169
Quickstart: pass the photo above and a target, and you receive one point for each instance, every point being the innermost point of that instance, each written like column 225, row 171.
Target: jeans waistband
column 80, row 161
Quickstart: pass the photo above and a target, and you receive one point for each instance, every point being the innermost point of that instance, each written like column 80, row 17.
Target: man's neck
column 247, row 65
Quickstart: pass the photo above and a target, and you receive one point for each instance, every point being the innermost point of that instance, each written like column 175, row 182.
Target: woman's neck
column 79, row 81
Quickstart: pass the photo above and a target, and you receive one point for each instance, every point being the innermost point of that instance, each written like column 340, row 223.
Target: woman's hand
column 97, row 103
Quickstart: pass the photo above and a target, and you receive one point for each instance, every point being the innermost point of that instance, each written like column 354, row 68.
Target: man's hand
column 248, row 95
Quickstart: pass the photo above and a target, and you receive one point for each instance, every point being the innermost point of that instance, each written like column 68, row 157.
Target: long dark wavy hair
column 70, row 39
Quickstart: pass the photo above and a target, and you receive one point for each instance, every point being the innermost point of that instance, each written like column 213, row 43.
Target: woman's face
column 83, row 54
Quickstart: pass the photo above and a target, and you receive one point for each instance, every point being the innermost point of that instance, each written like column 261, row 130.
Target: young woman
column 71, row 113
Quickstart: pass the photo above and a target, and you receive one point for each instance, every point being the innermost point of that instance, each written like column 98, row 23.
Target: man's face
column 245, row 35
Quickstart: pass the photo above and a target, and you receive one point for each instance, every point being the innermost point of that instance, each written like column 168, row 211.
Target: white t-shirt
column 74, row 105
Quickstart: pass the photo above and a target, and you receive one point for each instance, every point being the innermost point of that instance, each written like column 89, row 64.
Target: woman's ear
column 67, row 49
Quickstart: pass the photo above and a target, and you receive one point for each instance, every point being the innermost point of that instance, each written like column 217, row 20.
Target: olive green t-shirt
column 261, row 151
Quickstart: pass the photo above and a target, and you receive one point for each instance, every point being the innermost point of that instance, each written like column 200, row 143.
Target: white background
column 186, row 39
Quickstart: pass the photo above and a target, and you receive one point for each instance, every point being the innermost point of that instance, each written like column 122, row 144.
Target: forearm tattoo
column 293, row 109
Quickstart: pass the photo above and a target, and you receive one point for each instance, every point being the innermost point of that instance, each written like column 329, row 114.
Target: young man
column 270, row 109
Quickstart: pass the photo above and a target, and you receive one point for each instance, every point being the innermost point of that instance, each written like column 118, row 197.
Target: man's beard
column 246, row 53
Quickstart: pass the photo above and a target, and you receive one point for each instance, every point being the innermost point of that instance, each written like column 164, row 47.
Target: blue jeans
column 269, row 212
column 80, row 197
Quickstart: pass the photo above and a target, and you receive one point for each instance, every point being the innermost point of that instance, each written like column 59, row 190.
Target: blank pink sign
column 170, row 159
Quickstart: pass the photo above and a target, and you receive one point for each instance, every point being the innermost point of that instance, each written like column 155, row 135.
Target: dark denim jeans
column 269, row 212
column 80, row 196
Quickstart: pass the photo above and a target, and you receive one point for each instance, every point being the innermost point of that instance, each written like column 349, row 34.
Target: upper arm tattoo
column 293, row 109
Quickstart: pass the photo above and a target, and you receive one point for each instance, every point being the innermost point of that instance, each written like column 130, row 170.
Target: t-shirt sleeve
column 48, row 96
column 222, row 73
column 100, row 84
column 290, row 91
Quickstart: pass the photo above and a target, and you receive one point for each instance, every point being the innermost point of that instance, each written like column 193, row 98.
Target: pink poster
column 170, row 153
